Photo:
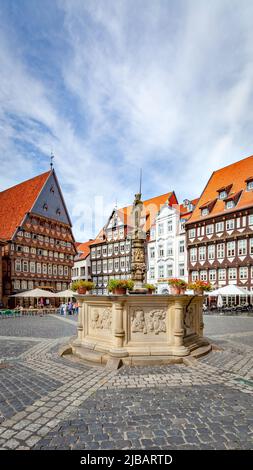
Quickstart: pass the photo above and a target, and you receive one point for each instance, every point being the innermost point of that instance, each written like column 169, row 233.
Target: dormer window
column 224, row 191
column 207, row 208
column 232, row 200
column 188, row 205
column 230, row 204
column 250, row 185
column 223, row 195
column 52, row 190
column 205, row 211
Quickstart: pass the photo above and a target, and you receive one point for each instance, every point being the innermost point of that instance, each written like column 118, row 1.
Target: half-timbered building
column 220, row 230
column 36, row 228
column 111, row 250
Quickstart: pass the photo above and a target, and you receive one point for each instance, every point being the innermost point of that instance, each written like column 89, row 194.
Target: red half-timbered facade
column 220, row 230
column 39, row 245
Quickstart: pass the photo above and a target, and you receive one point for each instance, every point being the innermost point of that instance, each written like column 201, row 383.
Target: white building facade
column 166, row 250
column 82, row 264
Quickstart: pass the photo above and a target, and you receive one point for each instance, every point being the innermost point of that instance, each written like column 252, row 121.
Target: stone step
column 199, row 352
column 90, row 355
column 151, row 360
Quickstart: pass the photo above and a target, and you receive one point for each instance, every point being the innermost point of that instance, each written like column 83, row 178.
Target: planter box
column 119, row 291
column 82, row 290
column 175, row 290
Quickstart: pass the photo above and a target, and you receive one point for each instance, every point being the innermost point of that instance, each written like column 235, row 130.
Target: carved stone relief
column 189, row 320
column 152, row 321
column 101, row 320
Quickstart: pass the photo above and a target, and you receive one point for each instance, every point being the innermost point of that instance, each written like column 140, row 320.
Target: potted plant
column 150, row 287
column 200, row 286
column 177, row 286
column 120, row 286
column 82, row 286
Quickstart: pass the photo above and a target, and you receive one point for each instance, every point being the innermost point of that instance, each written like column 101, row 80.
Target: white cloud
column 162, row 85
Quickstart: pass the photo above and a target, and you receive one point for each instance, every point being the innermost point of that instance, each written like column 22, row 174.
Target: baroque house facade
column 167, row 253
column 220, row 230
column 111, row 251
column 39, row 245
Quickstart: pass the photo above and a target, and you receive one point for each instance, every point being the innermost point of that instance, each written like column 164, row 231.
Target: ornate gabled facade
column 220, row 230
column 110, row 252
column 167, row 254
column 39, row 245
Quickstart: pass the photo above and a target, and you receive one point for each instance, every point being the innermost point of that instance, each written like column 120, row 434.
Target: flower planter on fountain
column 81, row 290
column 177, row 286
column 150, row 288
column 199, row 287
column 120, row 286
column 82, row 286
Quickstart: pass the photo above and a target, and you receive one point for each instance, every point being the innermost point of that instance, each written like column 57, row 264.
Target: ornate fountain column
column 118, row 330
column 179, row 348
column 138, row 265
column 80, row 324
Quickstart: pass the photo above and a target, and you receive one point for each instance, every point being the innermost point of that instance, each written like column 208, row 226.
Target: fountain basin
column 139, row 329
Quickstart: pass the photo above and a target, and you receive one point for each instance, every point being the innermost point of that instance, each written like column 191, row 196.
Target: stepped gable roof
column 232, row 178
column 16, row 201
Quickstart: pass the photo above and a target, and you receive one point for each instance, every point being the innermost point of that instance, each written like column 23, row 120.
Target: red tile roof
column 84, row 249
column 233, row 176
column 184, row 210
column 15, row 202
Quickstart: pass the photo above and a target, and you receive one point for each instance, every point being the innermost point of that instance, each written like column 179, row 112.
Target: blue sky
column 112, row 86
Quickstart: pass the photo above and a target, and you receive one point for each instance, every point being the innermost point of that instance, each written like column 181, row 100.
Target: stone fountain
column 139, row 328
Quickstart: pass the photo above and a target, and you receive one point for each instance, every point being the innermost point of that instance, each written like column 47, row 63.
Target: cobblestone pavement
column 48, row 402
column 31, row 326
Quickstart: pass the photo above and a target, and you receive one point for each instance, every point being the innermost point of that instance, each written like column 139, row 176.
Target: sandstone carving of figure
column 159, row 325
column 156, row 322
column 189, row 320
column 106, row 319
column 94, row 319
column 162, row 325
column 139, row 255
column 150, row 323
column 138, row 323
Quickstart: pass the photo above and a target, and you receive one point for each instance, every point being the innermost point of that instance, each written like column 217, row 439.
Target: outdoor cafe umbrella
column 34, row 293
column 66, row 294
column 219, row 301
column 229, row 290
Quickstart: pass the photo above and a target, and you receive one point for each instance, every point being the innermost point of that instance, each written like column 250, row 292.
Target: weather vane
column 51, row 160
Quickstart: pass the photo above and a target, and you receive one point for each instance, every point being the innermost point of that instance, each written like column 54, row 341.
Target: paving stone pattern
column 45, row 326
column 48, row 402
column 157, row 418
